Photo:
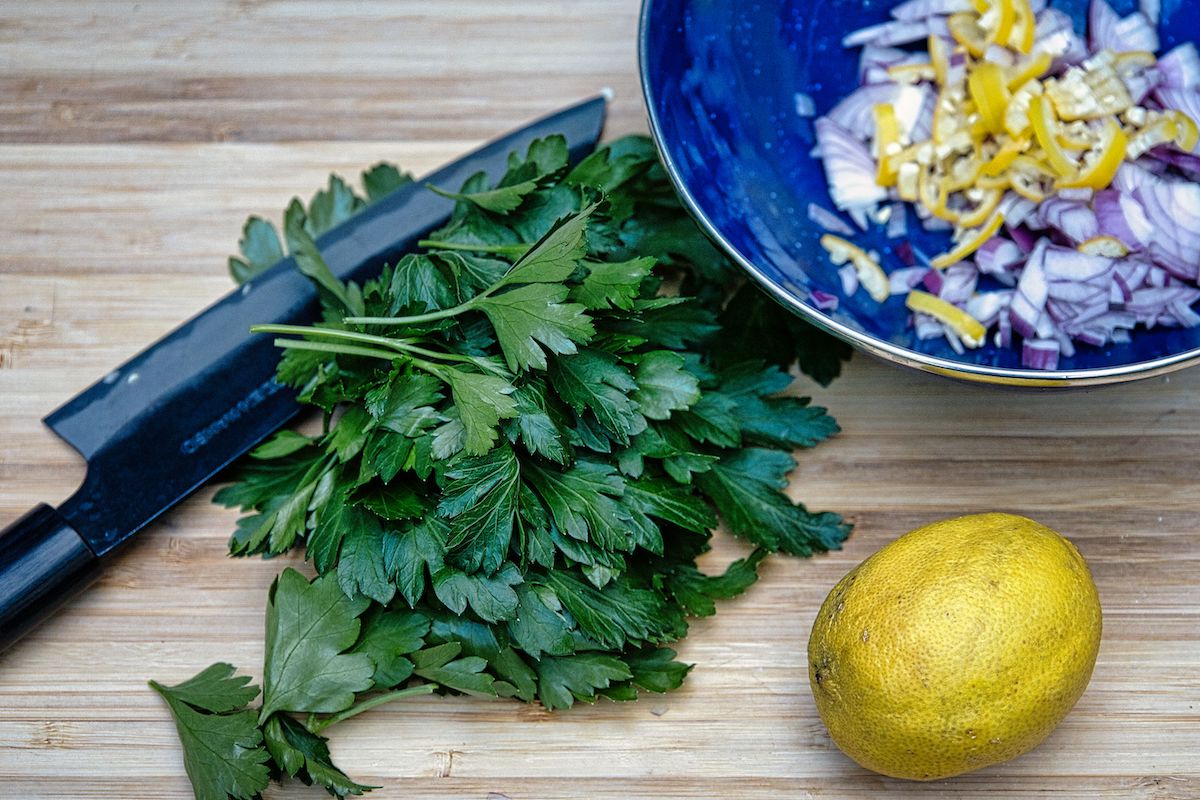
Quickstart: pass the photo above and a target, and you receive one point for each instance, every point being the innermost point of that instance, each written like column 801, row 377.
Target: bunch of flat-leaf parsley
column 531, row 430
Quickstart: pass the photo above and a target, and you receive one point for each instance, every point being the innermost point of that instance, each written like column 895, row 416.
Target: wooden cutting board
column 136, row 137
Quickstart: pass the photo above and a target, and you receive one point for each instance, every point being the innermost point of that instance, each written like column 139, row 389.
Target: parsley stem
column 338, row 349
column 510, row 250
column 373, row 702
column 432, row 316
column 401, row 345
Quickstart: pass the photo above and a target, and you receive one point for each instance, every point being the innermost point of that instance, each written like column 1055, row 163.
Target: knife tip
column 607, row 93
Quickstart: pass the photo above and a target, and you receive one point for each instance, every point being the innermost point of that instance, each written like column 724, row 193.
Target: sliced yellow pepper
column 1005, row 15
column 969, row 246
column 1042, row 120
column 1024, row 27
column 983, row 210
column 1107, row 246
column 908, row 177
column 963, row 175
column 1189, row 133
column 934, row 195
column 1016, row 116
column 1004, row 157
column 912, row 73
column 1067, row 140
column 1111, row 154
column 887, row 134
column 870, row 274
column 1027, row 188
column 1134, row 59
column 1001, row 181
column 969, row 329
column 939, row 58
column 964, row 27
column 990, row 93
column 1032, row 69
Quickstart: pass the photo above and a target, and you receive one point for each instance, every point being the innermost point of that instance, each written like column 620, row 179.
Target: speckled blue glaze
column 721, row 79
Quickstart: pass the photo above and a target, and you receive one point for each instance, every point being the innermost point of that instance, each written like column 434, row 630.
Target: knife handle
column 43, row 564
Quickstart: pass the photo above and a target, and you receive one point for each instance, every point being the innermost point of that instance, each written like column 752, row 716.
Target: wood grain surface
column 134, row 139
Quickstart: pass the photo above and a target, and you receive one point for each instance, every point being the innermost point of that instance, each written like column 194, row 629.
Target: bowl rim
column 887, row 351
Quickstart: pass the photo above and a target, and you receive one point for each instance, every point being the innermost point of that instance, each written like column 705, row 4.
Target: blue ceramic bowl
column 721, row 78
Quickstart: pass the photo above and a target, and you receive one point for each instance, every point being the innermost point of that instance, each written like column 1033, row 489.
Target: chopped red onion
column 953, row 340
column 934, row 280
column 1056, row 35
column 927, row 327
column 897, row 226
column 856, row 113
column 1152, row 9
column 1083, row 195
column 1075, row 220
column 913, row 10
column 849, row 168
column 1040, row 354
column 1184, row 313
column 1107, row 31
column 823, row 301
column 997, row 255
column 986, row 307
column 1004, row 330
column 904, row 280
column 1180, row 67
column 1173, row 208
column 1122, row 217
column 889, row 34
column 849, row 278
column 1065, row 264
column 828, row 220
column 958, row 284
column 1023, row 237
column 1016, row 209
column 1187, row 163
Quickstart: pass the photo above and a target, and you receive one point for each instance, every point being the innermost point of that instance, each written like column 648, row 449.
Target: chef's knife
column 155, row 429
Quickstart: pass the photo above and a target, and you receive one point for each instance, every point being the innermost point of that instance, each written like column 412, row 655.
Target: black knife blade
column 158, row 427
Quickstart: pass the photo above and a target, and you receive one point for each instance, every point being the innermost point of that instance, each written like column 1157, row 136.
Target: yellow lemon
column 959, row 645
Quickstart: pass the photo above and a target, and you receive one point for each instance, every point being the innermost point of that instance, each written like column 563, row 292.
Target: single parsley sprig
column 531, row 431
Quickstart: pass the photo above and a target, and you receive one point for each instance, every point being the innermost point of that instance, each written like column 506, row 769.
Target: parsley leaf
column 481, row 502
column 222, row 745
column 534, row 315
column 300, row 753
column 746, row 490
column 310, row 261
column 563, row 680
column 492, row 598
column 387, row 638
column 500, row 200
column 482, row 401
column 698, row 592
column 593, row 381
column 440, row 665
column 556, row 256
column 612, row 284
column 539, row 625
column 383, row 179
column 664, row 385
column 309, row 628
column 260, row 248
